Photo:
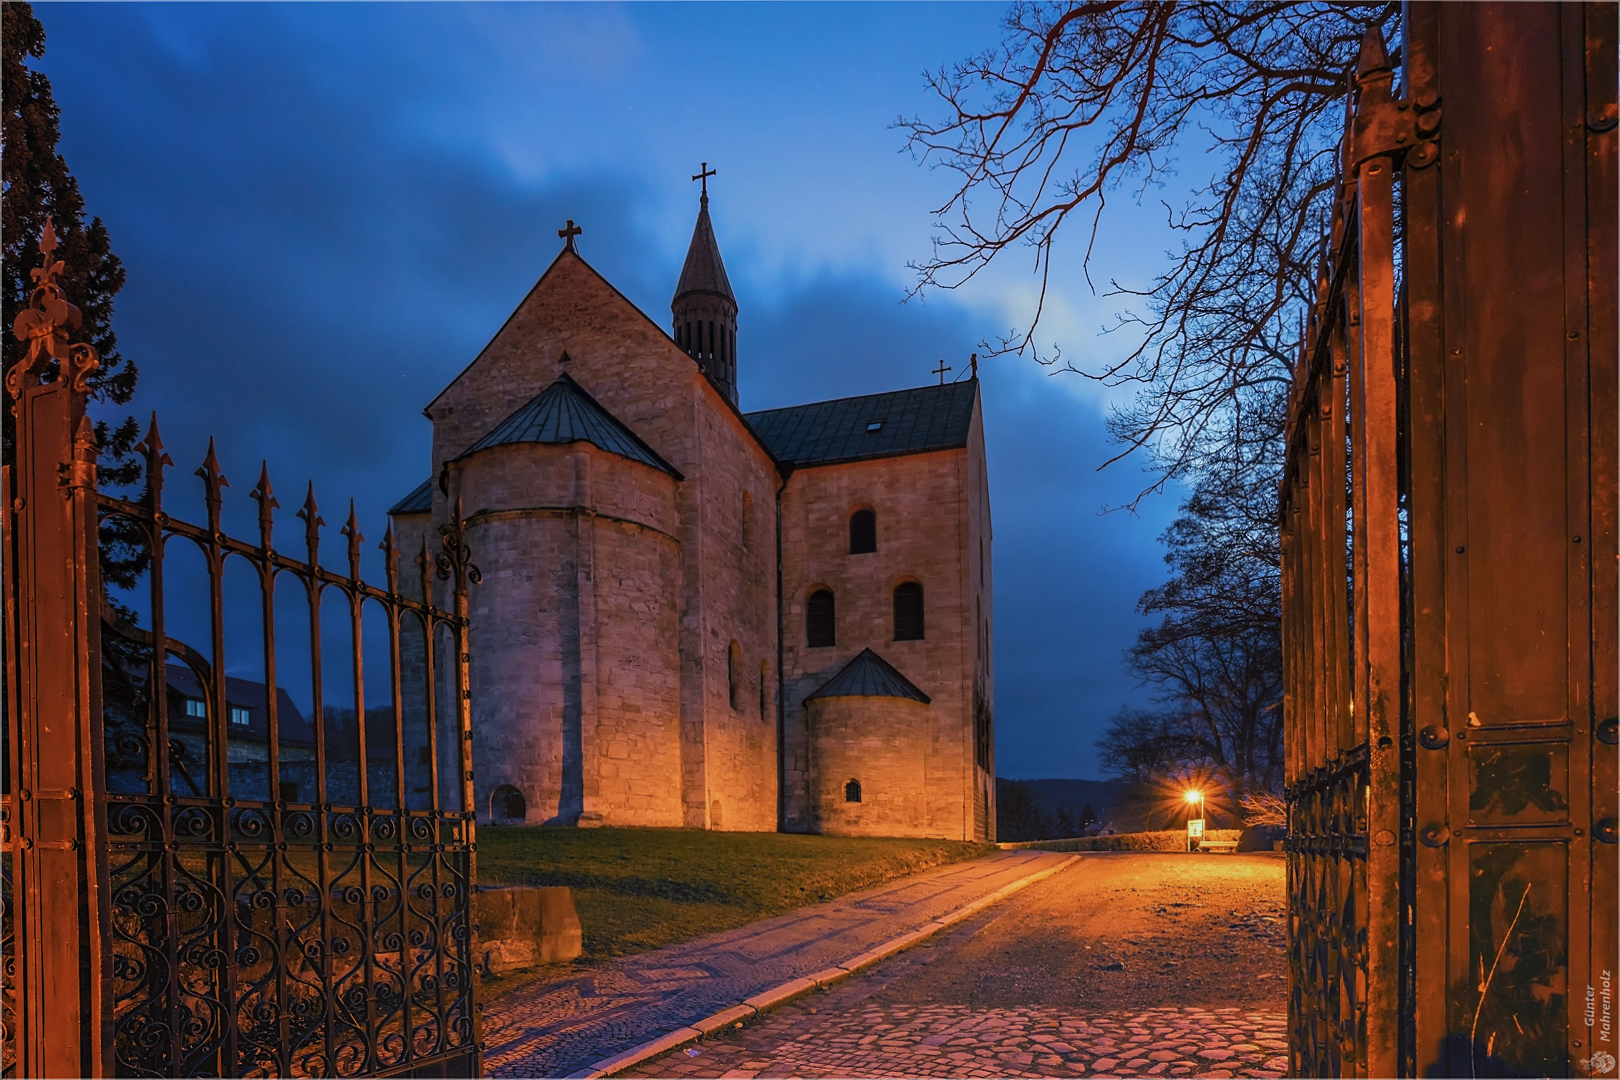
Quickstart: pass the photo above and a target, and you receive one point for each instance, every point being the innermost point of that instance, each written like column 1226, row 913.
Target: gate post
column 56, row 779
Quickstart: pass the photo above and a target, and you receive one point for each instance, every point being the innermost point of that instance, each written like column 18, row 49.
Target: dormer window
column 196, row 707
column 241, row 716
column 875, row 425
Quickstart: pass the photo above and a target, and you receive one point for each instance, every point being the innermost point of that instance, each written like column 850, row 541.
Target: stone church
column 695, row 616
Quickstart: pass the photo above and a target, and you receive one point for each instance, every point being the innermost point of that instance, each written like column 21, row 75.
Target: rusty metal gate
column 1449, row 558
column 200, row 879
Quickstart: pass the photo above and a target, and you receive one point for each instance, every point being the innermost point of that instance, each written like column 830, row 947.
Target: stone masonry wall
column 573, row 633
column 629, row 364
column 881, row 743
column 922, row 503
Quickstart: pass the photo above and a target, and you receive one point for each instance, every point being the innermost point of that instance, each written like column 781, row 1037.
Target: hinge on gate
column 1384, row 126
column 76, row 474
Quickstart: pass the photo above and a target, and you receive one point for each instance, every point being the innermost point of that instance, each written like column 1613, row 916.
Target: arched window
column 908, row 611
column 506, row 806
column 852, row 791
column 819, row 623
column 734, row 673
column 862, row 532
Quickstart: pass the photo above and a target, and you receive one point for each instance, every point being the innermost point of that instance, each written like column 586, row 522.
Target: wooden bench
column 1217, row 845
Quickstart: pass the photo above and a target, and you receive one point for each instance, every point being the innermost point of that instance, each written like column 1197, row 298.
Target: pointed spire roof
column 869, row 675
column 564, row 413
column 704, row 272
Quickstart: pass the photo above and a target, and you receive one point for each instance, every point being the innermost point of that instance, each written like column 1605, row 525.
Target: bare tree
column 1084, row 100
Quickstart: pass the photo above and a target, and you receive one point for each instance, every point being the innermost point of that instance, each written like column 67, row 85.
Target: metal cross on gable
column 704, row 172
column 569, row 233
column 941, row 370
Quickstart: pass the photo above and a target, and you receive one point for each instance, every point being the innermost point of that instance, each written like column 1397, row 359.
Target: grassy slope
column 639, row 889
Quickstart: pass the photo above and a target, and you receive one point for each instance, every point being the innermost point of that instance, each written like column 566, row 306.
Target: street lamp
column 1195, row 826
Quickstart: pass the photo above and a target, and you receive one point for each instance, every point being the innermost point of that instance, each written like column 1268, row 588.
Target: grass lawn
column 639, row 889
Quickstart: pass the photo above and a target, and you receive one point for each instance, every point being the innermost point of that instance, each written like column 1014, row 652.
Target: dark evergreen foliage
column 38, row 185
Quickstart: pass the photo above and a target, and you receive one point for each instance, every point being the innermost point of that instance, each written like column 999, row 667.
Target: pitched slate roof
column 564, row 413
column 419, row 501
column 703, row 271
column 869, row 675
column 909, row 422
column 292, row 727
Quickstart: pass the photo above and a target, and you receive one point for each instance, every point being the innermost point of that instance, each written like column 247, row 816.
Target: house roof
column 869, row 675
column 419, row 501
column 564, row 413
column 293, row 727
column 703, row 270
column 907, row 422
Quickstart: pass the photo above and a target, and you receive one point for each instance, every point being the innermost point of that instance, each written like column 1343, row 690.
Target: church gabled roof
column 874, row 426
column 869, row 675
column 704, row 272
column 564, row 413
column 419, row 501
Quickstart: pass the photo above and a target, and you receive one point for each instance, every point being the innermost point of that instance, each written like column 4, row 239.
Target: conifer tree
column 38, row 185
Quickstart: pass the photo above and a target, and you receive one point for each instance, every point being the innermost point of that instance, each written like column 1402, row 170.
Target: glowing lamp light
column 1194, row 796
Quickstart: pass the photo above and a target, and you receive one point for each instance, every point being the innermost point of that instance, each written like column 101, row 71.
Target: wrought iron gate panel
column 1452, row 886
column 244, row 923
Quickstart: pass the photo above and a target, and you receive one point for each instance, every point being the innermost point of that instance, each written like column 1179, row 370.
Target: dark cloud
column 309, row 266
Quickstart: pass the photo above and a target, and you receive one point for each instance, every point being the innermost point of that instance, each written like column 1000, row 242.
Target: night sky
column 325, row 211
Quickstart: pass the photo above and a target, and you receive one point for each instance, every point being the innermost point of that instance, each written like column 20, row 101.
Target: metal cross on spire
column 941, row 370
column 704, row 172
column 569, row 233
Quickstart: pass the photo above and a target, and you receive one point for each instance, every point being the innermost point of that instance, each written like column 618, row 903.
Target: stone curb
column 777, row 995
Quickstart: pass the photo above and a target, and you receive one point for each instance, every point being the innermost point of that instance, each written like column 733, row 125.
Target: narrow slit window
column 863, row 532
column 819, row 622
column 908, row 611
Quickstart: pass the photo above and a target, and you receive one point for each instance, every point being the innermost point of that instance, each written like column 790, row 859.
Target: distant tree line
column 1022, row 815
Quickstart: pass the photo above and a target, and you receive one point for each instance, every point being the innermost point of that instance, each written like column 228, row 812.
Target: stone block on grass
column 524, row 925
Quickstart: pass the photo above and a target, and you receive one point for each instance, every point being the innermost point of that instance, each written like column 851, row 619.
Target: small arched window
column 908, row 611
column 507, row 806
column 863, row 532
column 819, row 622
column 734, row 673
column 852, row 791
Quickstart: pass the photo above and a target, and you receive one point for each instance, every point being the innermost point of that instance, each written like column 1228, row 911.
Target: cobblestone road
column 960, row 1040
column 1122, row 965
column 560, row 1020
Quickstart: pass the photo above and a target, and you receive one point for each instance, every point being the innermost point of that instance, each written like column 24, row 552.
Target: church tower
column 704, row 309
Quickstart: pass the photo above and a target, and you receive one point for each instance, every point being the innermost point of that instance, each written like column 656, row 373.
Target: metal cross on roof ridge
column 704, row 172
column 569, row 233
column 941, row 370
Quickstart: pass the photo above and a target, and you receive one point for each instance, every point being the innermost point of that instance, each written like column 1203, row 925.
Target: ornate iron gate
column 1449, row 541
column 200, row 880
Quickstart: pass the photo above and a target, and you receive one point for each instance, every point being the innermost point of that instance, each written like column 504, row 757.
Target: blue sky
column 326, row 210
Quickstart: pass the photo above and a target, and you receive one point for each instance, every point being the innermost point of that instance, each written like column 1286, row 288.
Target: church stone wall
column 922, row 503
column 736, row 593
column 630, row 365
column 881, row 743
column 575, row 623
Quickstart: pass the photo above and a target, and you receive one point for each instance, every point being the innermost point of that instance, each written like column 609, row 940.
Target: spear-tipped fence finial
column 213, row 480
column 390, row 552
column 351, row 529
column 312, row 523
column 265, row 497
column 151, row 448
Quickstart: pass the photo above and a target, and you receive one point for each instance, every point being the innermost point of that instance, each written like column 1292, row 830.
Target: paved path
column 1122, row 965
column 552, row 1027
